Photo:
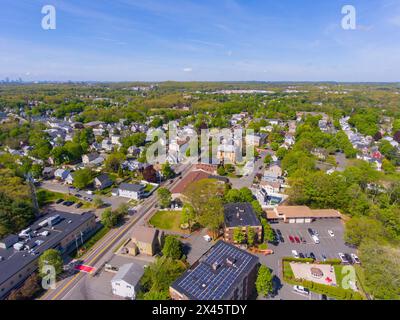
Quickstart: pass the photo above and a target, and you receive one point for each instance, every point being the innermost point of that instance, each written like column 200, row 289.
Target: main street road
column 104, row 249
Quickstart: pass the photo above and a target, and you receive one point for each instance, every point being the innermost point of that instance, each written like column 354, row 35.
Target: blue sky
column 236, row 40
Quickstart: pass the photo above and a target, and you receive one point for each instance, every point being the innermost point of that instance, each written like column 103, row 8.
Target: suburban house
column 48, row 173
column 301, row 214
column 224, row 272
column 92, row 158
column 271, row 185
column 107, row 145
column 131, row 191
column 102, row 181
column 256, row 140
column 240, row 215
column 226, row 153
column 70, row 178
column 61, row 174
column 146, row 241
column 126, row 282
column 274, row 172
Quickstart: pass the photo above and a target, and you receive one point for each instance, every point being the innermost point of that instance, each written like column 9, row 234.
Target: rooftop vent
column 230, row 261
column 215, row 266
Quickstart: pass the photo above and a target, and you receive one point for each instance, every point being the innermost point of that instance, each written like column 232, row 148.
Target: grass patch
column 148, row 188
column 287, row 270
column 167, row 220
column 90, row 242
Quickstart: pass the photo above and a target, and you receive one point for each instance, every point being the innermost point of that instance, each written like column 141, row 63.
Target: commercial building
column 19, row 254
column 301, row 214
column 240, row 215
column 225, row 272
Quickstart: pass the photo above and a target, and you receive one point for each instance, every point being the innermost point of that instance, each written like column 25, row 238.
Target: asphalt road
column 104, row 249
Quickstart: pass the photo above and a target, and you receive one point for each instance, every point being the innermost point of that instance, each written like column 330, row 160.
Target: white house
column 131, row 191
column 70, row 179
column 126, row 282
column 61, row 174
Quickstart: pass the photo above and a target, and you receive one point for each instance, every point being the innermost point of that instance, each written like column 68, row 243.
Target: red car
column 291, row 239
column 297, row 239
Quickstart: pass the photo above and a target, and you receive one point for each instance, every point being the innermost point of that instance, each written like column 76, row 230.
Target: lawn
column 167, row 220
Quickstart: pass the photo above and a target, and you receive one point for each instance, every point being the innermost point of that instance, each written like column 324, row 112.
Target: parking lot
column 328, row 246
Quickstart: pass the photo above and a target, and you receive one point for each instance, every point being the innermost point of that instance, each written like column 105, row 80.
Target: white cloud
column 187, row 70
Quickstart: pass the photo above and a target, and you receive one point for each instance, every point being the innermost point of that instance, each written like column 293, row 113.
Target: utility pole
column 35, row 203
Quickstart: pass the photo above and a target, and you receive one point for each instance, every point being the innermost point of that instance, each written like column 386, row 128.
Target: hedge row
column 331, row 291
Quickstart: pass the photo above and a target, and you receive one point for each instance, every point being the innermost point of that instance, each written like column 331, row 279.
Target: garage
column 300, row 220
column 308, row 220
column 292, row 220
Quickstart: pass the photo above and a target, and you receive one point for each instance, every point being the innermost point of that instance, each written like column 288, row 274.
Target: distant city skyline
column 189, row 40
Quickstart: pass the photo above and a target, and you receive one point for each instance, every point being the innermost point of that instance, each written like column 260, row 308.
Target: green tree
column 113, row 161
column 381, row 265
column 264, row 282
column 83, row 178
column 98, row 202
column 360, row 228
column 172, row 247
column 269, row 234
column 188, row 215
column 239, row 236
column 251, row 236
column 167, row 171
column 158, row 277
column 108, row 218
column 164, row 197
column 53, row 258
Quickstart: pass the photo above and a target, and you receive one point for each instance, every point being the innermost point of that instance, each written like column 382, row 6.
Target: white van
column 315, row 239
column 301, row 290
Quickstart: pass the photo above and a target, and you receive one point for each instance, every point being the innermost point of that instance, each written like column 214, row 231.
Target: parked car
column 297, row 239
column 281, row 239
column 59, row 201
column 291, row 239
column 315, row 239
column 310, row 231
column 77, row 195
column 355, row 258
column 301, row 290
column 349, row 258
column 68, row 203
column 324, row 258
column 302, row 256
column 312, row 256
column 343, row 258
column 330, row 232
column 324, row 297
column 78, row 205
column 295, row 254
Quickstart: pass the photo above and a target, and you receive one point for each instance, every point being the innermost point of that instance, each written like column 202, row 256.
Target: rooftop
column 216, row 274
column 131, row 187
column 130, row 273
column 144, row 234
column 14, row 260
column 240, row 215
